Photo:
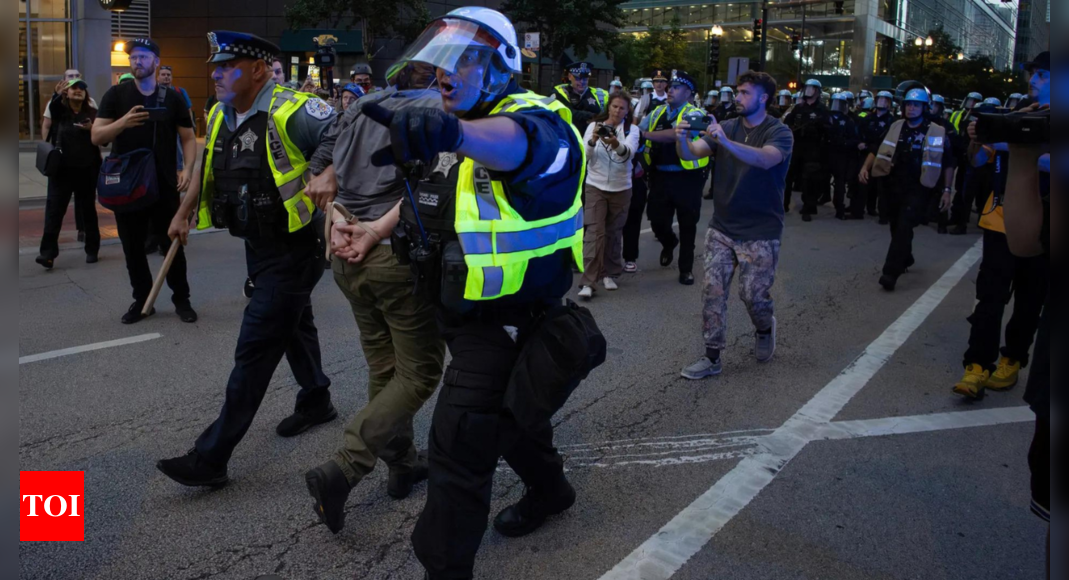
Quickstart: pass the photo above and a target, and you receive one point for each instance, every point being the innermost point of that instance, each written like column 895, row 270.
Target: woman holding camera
column 611, row 143
column 72, row 121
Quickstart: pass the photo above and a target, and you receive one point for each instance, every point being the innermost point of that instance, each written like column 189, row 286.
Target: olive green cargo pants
column 404, row 353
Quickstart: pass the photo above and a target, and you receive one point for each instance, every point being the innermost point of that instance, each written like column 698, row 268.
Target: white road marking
column 664, row 554
column 695, row 449
column 87, row 348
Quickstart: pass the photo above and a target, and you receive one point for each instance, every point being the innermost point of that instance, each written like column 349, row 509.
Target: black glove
column 416, row 134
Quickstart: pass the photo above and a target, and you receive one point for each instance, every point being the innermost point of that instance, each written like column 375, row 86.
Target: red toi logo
column 53, row 506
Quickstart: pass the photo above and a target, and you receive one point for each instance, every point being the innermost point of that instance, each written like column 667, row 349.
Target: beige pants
column 603, row 240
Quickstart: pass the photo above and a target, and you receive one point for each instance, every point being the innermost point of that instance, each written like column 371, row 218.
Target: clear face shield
column 883, row 103
column 466, row 52
column 811, row 92
column 783, row 101
column 727, row 99
column 838, row 105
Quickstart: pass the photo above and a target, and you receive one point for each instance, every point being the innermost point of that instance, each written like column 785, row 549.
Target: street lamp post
column 712, row 58
column 925, row 46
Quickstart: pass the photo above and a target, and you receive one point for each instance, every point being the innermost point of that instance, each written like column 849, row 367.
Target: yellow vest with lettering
column 287, row 163
column 932, row 163
column 655, row 116
column 498, row 243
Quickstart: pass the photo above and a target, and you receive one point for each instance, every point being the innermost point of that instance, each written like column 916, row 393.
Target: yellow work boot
column 972, row 384
column 1005, row 376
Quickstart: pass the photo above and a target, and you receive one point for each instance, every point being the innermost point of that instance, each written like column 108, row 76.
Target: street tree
column 380, row 21
column 584, row 26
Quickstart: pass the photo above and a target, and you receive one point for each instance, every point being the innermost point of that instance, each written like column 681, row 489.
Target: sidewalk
column 32, row 225
column 32, row 185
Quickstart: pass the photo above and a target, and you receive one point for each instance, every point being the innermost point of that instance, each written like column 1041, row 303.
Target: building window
column 45, row 30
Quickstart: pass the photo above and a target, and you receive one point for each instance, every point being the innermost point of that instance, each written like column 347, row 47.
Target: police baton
column 161, row 277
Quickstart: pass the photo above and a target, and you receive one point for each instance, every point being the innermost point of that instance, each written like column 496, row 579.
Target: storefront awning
column 348, row 41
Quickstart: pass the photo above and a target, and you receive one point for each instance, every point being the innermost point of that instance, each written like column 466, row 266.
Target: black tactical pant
column 814, row 185
column 134, row 229
column 1004, row 276
column 904, row 206
column 676, row 194
column 278, row 323
column 633, row 227
column 81, row 184
column 470, row 432
column 844, row 173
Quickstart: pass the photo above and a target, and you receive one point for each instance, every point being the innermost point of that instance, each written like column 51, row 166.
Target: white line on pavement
column 87, row 348
column 927, row 423
column 664, row 554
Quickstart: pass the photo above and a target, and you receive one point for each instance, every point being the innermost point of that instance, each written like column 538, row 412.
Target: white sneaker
column 610, row 284
column 586, row 292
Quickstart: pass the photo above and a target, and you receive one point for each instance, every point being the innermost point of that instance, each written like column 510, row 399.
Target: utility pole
column 801, row 51
column 764, row 37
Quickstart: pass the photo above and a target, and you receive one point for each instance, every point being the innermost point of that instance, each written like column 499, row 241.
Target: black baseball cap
column 145, row 43
column 1041, row 62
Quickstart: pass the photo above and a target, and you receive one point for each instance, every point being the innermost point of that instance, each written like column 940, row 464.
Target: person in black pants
column 123, row 122
column 809, row 120
column 635, row 215
column 72, row 120
column 842, row 144
column 675, row 185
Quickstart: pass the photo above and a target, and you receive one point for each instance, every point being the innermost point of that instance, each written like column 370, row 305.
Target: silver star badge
column 248, row 140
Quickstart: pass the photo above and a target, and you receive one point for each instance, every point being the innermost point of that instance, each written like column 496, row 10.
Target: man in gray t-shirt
column 398, row 329
column 753, row 155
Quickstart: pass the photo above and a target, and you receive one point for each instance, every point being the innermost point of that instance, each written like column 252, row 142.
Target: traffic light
column 796, row 42
column 714, row 54
column 793, row 86
column 758, row 29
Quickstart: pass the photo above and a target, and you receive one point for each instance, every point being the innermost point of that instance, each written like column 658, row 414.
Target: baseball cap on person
column 685, row 80
column 145, row 43
column 126, row 78
column 1041, row 62
column 77, row 83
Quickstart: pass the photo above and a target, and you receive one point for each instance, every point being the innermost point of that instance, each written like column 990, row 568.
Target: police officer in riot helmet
column 493, row 228
column 585, row 102
column 726, row 109
column 809, row 121
column 1014, row 101
column 916, row 157
column 875, row 125
column 712, row 100
column 843, row 138
column 260, row 136
column 781, row 106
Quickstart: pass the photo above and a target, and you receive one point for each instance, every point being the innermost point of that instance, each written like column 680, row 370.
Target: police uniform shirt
column 876, row 126
column 909, row 155
column 584, row 107
column 306, row 128
column 544, row 186
column 842, row 132
column 663, row 155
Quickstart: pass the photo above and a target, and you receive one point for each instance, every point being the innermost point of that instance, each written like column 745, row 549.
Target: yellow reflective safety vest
column 655, row 116
column 497, row 241
column 956, row 118
column 932, row 163
column 600, row 95
column 287, row 163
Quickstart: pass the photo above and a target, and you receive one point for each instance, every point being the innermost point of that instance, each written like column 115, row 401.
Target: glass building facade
column 849, row 43
column 45, row 41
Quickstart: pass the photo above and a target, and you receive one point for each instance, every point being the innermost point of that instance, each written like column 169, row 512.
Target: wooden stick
column 161, row 277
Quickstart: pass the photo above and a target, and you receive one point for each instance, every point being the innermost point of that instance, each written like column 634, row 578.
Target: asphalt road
column 948, row 500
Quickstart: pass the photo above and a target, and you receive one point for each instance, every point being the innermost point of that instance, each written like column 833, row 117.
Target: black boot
column 191, row 470
column 531, row 512
column 330, row 489
column 888, row 282
column 299, row 422
column 401, row 484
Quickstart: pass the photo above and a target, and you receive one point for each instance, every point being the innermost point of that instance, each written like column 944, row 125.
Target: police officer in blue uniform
column 492, row 231
column 809, row 122
column 675, row 185
column 584, row 101
column 843, row 139
column 260, row 136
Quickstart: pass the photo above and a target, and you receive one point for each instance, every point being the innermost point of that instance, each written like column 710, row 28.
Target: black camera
column 605, row 131
column 1016, row 129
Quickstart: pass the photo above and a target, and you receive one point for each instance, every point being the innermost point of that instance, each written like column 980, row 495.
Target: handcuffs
column 346, row 219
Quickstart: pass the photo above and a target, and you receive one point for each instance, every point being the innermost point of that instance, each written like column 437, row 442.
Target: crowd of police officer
column 488, row 226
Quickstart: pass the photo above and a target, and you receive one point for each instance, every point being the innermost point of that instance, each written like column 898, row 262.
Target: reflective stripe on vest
column 287, row 163
column 498, row 243
column 932, row 163
column 654, row 118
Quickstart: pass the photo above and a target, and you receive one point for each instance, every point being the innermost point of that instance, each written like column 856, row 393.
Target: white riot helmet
column 840, row 103
column 471, row 37
column 783, row 98
column 1014, row 100
column 813, row 88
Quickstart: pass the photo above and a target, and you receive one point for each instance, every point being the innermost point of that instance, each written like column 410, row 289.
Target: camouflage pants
column 756, row 263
